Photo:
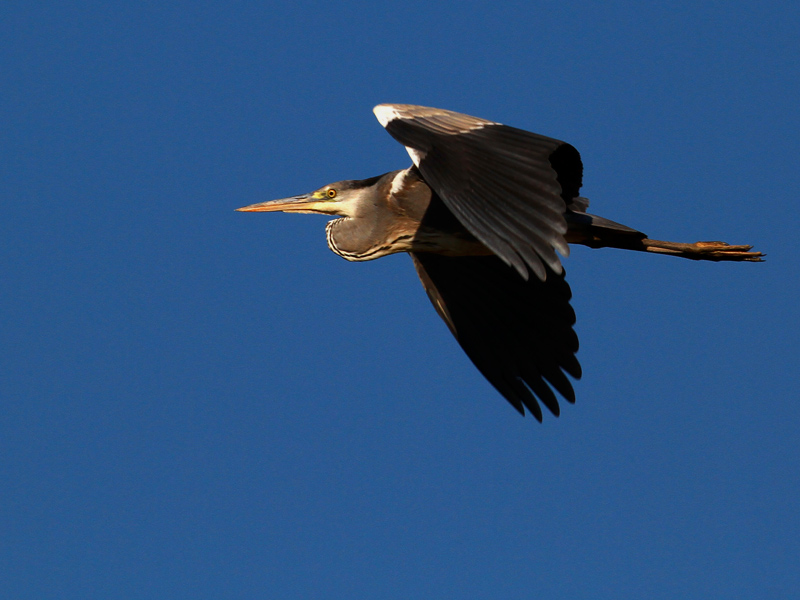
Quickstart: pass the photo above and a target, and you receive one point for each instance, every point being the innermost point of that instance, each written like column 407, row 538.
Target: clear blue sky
column 200, row 403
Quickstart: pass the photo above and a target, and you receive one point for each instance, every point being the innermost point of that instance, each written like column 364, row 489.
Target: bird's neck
column 405, row 216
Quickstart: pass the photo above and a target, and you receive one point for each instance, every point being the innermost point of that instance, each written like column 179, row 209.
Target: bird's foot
column 715, row 251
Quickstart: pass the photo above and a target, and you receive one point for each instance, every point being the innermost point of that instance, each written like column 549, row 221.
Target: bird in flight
column 484, row 211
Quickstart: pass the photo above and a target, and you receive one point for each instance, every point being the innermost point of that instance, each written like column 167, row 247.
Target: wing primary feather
column 517, row 333
column 508, row 187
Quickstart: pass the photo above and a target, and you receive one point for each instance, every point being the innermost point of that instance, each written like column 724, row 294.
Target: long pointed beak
column 298, row 204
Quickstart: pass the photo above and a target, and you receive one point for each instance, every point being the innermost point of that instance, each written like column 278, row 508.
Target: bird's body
column 482, row 208
column 414, row 219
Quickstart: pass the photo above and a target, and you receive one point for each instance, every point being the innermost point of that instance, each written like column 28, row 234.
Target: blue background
column 200, row 403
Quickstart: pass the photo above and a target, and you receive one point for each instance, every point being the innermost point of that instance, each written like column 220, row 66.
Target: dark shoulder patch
column 566, row 161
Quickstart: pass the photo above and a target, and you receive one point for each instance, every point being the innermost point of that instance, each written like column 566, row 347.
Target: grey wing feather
column 510, row 188
column 579, row 204
column 518, row 333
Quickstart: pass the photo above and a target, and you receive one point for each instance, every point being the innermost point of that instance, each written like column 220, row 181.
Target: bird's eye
column 331, row 193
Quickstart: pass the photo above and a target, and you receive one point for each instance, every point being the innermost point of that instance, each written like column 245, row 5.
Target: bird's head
column 343, row 199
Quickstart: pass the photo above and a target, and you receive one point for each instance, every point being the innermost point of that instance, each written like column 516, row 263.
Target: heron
column 484, row 211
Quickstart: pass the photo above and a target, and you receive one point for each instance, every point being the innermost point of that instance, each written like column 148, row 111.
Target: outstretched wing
column 508, row 187
column 518, row 333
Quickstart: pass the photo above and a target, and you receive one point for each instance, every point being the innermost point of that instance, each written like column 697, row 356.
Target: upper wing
column 508, row 187
column 516, row 332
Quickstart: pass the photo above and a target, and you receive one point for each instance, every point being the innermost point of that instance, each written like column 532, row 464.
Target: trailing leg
column 715, row 251
column 597, row 232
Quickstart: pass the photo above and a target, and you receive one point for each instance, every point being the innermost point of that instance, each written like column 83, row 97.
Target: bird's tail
column 597, row 232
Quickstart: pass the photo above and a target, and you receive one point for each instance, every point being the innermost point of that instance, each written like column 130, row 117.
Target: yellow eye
column 331, row 193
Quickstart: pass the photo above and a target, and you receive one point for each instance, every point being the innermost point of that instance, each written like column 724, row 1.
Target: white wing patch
column 416, row 155
column 441, row 121
column 386, row 113
column 398, row 181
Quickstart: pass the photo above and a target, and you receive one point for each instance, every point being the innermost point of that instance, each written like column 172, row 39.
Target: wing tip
column 386, row 113
column 460, row 122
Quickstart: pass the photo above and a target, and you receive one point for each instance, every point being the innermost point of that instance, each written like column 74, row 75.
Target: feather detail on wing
column 508, row 187
column 518, row 333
